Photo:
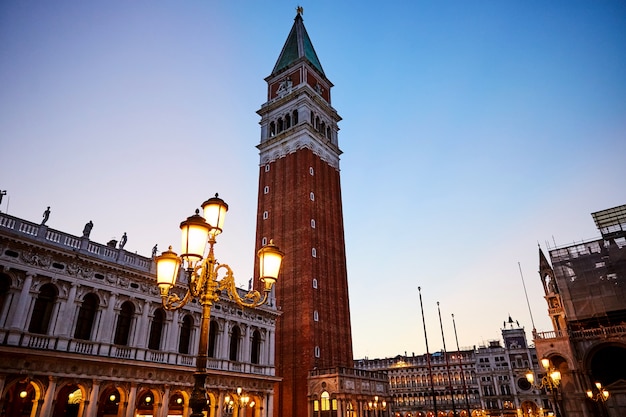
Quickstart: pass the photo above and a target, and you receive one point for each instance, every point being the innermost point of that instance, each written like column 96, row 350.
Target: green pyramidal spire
column 297, row 46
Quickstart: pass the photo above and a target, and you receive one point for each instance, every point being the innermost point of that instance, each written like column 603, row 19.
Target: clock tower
column 300, row 209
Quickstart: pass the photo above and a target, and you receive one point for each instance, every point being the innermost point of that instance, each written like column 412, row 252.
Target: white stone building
column 83, row 334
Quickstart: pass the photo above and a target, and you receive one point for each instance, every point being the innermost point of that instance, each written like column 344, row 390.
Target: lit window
column 325, row 401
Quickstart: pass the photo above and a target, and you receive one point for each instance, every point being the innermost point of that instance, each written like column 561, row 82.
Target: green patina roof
column 298, row 45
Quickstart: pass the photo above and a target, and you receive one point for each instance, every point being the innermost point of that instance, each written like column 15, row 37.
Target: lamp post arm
column 174, row 302
column 252, row 299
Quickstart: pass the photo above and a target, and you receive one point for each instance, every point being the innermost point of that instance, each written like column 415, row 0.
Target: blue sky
column 472, row 132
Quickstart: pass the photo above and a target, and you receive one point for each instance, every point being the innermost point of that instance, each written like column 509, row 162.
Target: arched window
column 328, row 133
column 266, row 189
column 280, row 125
column 234, row 343
column 317, row 124
column 287, row 121
column 124, row 320
column 156, row 329
column 314, row 252
column 185, row 335
column 295, row 117
column 317, row 351
column 272, row 129
column 350, row 410
column 264, row 241
column 312, row 196
column 312, row 223
column 312, row 119
column 86, row 317
column 311, row 171
column 325, row 403
column 316, row 316
column 267, row 167
column 265, row 215
column 314, row 282
column 255, row 353
column 213, row 328
column 42, row 311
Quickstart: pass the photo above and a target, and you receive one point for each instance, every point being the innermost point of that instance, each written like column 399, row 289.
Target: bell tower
column 299, row 207
column 552, row 296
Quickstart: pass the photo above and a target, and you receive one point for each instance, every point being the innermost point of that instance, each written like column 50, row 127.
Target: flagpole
column 469, row 413
column 445, row 354
column 430, row 370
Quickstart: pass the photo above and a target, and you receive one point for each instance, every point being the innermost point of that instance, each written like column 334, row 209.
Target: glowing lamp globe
column 167, row 265
column 270, row 259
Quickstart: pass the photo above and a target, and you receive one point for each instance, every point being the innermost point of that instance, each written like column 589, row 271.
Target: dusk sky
column 472, row 132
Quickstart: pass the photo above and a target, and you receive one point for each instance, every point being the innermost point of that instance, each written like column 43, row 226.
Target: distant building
column 83, row 334
column 585, row 289
column 485, row 381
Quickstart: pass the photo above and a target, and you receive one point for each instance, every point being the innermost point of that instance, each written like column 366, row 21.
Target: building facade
column 585, row 289
column 483, row 381
column 83, row 334
column 300, row 207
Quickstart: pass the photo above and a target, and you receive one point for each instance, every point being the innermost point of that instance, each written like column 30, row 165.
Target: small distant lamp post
column 204, row 283
column 550, row 381
column 376, row 405
column 600, row 395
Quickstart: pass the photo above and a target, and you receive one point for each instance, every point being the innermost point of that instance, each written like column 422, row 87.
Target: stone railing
column 600, row 332
column 595, row 333
column 42, row 233
column 549, row 335
column 58, row 346
column 379, row 375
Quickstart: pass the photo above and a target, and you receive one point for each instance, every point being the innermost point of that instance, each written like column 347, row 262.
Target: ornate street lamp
column 550, row 381
column 203, row 282
column 602, row 393
column 376, row 405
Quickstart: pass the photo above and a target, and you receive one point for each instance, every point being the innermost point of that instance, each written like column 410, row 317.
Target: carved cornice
column 282, row 145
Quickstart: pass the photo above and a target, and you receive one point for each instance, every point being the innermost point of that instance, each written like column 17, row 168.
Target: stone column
column 132, row 399
column 220, row 403
column 46, row 409
column 18, row 321
column 108, row 322
column 92, row 406
column 165, row 403
column 225, row 335
column 271, row 337
column 245, row 349
column 143, row 327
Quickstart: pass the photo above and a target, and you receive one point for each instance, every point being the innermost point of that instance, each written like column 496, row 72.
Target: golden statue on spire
column 300, row 10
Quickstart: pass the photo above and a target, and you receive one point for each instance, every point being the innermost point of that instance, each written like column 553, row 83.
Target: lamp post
column 550, row 381
column 376, row 405
column 600, row 395
column 204, row 282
